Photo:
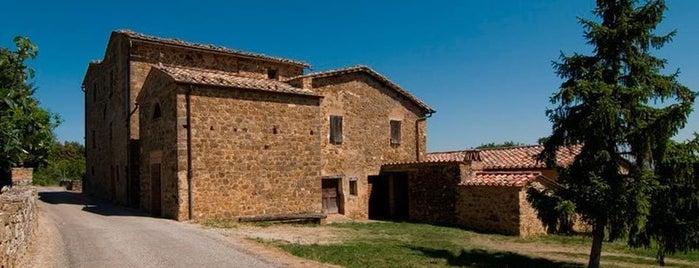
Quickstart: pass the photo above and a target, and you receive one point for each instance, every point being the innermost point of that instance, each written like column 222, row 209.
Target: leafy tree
column 66, row 161
column 618, row 105
column 499, row 145
column 25, row 128
column 673, row 222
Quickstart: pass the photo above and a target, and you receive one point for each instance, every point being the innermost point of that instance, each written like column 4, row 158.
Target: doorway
column 389, row 196
column 331, row 196
column 156, row 206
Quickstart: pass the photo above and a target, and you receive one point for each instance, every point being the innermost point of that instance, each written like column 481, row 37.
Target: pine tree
column 618, row 105
column 673, row 223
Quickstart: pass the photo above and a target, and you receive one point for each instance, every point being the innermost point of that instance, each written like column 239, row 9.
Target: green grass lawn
column 389, row 244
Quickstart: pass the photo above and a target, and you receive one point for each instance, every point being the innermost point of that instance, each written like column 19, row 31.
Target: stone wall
column 158, row 137
column 497, row 209
column 529, row 222
column 253, row 152
column 489, row 208
column 107, row 106
column 18, row 223
column 367, row 106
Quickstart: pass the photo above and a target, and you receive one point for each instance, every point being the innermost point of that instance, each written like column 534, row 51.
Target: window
column 111, row 84
column 94, row 91
column 94, row 141
column 395, row 132
column 336, row 129
column 272, row 74
column 156, row 111
column 353, row 186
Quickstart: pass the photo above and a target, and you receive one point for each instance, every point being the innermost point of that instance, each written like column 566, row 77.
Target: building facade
column 191, row 131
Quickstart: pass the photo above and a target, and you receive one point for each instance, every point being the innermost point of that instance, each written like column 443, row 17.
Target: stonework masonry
column 111, row 113
column 18, row 221
column 367, row 107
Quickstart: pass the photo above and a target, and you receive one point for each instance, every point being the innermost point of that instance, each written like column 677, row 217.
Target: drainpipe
column 417, row 135
column 190, row 174
column 129, row 171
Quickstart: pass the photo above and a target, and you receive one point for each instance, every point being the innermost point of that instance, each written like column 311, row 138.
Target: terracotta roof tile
column 225, row 79
column 176, row 42
column 508, row 179
column 521, row 157
column 371, row 72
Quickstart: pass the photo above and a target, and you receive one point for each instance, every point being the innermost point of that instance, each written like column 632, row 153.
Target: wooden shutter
column 335, row 129
column 395, row 132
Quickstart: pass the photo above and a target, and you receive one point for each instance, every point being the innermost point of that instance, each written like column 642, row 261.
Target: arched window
column 156, row 111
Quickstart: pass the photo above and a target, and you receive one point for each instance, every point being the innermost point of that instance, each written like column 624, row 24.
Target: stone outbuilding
column 481, row 190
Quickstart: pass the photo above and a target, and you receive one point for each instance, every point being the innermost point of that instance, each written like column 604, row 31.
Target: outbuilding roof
column 375, row 75
column 520, row 157
column 507, row 179
column 198, row 76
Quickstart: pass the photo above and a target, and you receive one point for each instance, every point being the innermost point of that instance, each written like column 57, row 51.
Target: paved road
column 94, row 234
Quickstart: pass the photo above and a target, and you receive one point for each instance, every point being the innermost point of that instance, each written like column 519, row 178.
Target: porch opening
column 389, row 197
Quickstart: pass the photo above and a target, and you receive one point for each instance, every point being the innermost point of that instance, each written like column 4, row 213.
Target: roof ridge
column 211, row 47
column 509, row 172
column 510, row 147
column 341, row 69
column 455, row 151
column 376, row 75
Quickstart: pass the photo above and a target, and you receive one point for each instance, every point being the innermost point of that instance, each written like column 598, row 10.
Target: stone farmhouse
column 192, row 131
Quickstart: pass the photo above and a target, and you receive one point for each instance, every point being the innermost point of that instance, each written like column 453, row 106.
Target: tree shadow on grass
column 482, row 258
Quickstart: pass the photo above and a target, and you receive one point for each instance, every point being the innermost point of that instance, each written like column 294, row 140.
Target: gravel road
column 95, row 234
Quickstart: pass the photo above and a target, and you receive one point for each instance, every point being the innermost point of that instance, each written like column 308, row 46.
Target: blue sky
column 485, row 66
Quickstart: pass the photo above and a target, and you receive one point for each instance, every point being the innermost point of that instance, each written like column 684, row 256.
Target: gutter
column 190, row 174
column 417, row 134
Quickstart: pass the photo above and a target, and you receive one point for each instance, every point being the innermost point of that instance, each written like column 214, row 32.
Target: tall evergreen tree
column 618, row 105
column 673, row 223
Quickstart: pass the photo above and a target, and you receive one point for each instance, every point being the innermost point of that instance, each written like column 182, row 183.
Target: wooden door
column 330, row 196
column 155, row 207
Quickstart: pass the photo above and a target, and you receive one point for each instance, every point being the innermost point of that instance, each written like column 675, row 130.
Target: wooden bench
column 286, row 218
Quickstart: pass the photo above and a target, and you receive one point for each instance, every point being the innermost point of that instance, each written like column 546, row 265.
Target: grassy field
column 388, row 244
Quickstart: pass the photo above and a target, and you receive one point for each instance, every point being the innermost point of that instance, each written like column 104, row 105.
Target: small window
column 157, row 113
column 272, row 74
column 336, row 129
column 353, row 186
column 111, row 84
column 94, row 91
column 395, row 132
column 94, row 140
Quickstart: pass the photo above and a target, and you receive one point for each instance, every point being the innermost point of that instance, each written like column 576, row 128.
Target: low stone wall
column 18, row 224
column 497, row 209
column 489, row 208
